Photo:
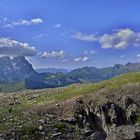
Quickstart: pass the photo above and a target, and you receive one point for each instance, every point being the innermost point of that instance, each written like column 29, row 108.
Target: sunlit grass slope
column 82, row 89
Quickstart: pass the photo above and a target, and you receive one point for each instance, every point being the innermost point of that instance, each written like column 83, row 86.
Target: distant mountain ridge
column 52, row 70
column 93, row 74
column 19, row 70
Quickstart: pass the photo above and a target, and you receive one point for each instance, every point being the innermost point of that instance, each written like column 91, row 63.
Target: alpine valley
column 18, row 74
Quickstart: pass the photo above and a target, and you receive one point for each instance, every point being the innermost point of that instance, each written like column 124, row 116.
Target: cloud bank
column 10, row 47
column 120, row 39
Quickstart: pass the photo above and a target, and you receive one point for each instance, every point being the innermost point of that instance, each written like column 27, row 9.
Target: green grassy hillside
column 13, row 107
column 12, row 87
column 82, row 89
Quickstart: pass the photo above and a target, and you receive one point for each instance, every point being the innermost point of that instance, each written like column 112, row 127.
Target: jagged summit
column 15, row 69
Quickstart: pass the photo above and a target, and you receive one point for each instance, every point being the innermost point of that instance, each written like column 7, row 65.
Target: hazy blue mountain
column 81, row 75
column 19, row 70
column 52, row 70
column 93, row 74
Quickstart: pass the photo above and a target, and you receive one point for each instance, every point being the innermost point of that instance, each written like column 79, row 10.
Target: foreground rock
column 125, row 132
column 108, row 120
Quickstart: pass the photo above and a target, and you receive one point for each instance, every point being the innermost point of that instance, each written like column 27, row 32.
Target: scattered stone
column 41, row 121
column 40, row 127
column 125, row 132
column 70, row 120
column 56, row 134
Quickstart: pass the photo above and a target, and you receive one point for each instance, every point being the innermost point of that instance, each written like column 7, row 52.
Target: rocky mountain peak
column 16, row 69
column 20, row 64
column 19, row 58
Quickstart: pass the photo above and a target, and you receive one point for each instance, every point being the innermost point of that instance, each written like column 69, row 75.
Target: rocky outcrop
column 7, row 72
column 108, row 120
column 125, row 132
column 16, row 69
column 23, row 69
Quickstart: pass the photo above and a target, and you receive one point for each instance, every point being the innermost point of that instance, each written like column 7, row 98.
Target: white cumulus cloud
column 25, row 22
column 82, row 59
column 77, row 59
column 15, row 48
column 119, row 39
column 85, row 37
column 53, row 54
column 85, row 58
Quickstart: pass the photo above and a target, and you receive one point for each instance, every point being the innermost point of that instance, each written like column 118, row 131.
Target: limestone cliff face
column 23, row 69
column 16, row 69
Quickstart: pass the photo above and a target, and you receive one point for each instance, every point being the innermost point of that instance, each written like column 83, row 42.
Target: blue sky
column 71, row 33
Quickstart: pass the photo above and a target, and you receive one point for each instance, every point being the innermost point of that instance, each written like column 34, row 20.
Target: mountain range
column 19, row 70
column 52, row 70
